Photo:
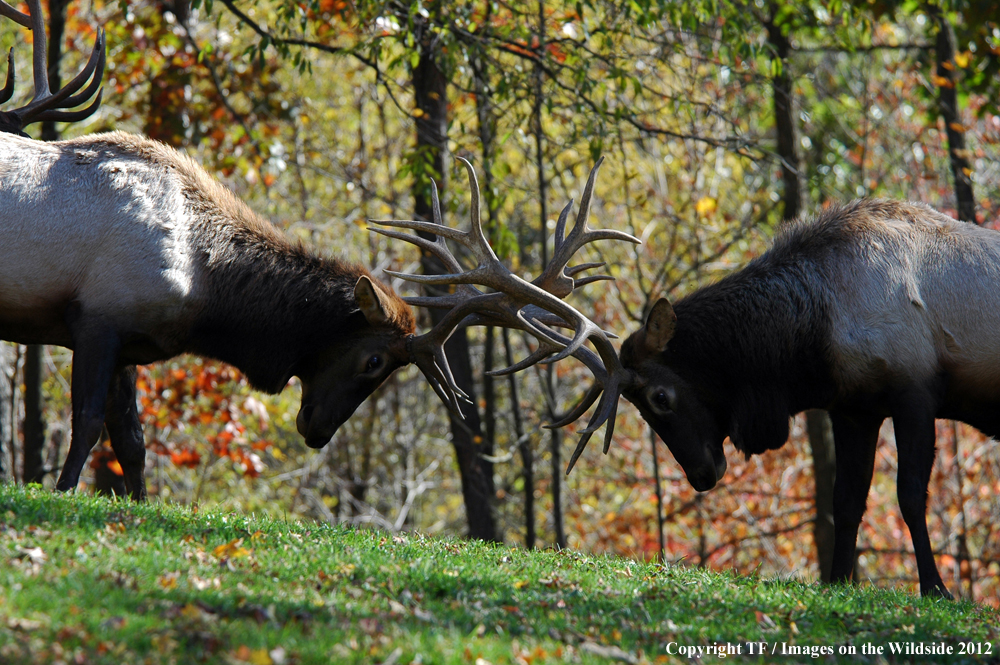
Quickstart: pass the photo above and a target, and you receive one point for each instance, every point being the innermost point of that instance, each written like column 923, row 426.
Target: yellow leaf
column 520, row 584
column 168, row 581
column 418, row 113
column 706, row 205
column 962, row 59
column 957, row 126
column 941, row 81
column 260, row 657
column 967, row 171
column 231, row 550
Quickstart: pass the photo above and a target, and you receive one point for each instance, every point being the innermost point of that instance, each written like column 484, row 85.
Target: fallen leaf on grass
column 33, row 554
column 15, row 623
column 764, row 621
column 113, row 623
column 612, row 652
column 393, row 657
column 231, row 550
column 202, row 583
column 193, row 612
column 254, row 656
column 423, row 615
column 168, row 580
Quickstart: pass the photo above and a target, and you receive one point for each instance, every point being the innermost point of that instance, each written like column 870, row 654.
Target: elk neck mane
column 269, row 303
column 754, row 344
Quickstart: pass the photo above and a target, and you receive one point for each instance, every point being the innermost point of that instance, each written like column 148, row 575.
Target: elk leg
column 94, row 358
column 855, row 437
column 913, row 420
column 125, row 430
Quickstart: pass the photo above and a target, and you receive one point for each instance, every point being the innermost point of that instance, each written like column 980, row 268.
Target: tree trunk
column 549, row 382
column 33, row 469
column 430, row 90
column 524, row 447
column 659, row 496
column 944, row 48
column 6, row 420
column 818, row 424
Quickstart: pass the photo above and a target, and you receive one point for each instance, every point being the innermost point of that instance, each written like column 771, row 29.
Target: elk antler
column 534, row 307
column 44, row 103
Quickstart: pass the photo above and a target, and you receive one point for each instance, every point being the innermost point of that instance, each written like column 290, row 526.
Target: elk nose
column 704, row 479
column 302, row 420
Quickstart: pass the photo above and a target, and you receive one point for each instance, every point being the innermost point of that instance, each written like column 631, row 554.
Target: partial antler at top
column 533, row 306
column 44, row 103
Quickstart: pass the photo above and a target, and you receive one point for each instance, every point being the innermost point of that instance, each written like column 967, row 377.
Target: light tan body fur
column 128, row 252
column 916, row 295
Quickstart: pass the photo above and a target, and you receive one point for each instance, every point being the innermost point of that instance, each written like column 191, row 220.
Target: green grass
column 96, row 581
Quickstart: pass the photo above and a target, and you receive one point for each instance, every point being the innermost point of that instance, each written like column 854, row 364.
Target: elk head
column 669, row 404
column 44, row 103
column 350, row 370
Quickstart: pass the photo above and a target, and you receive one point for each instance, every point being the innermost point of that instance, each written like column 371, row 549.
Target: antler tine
column 593, row 278
column 559, row 237
column 419, row 225
column 541, row 353
column 34, row 20
column 65, row 97
column 581, row 407
column 44, row 103
column 437, row 247
column 18, row 17
column 479, row 245
column 39, row 50
column 573, row 270
column 556, row 277
column 611, row 378
column 8, row 88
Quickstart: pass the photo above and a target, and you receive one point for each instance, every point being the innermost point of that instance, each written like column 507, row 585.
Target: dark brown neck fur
column 273, row 306
column 752, row 345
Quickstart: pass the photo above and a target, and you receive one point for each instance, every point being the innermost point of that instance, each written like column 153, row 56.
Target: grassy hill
column 89, row 580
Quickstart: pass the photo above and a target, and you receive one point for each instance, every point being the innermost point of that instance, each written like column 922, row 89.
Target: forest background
column 718, row 121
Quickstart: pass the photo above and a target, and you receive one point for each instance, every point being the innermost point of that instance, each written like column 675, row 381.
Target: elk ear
column 369, row 299
column 660, row 326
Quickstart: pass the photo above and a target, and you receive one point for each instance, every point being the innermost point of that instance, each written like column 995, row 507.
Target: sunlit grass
column 90, row 580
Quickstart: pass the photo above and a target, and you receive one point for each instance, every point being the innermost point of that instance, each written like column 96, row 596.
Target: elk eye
column 373, row 363
column 662, row 399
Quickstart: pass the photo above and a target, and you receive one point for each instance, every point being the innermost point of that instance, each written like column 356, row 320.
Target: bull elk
column 874, row 310
column 127, row 252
